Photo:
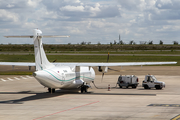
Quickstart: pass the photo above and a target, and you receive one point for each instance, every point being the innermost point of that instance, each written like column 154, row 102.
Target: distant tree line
column 93, row 47
column 120, row 42
column 150, row 42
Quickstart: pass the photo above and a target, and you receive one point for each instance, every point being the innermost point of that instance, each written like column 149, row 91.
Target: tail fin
column 40, row 56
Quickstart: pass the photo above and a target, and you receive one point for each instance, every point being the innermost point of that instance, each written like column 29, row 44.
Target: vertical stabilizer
column 40, row 56
column 41, row 60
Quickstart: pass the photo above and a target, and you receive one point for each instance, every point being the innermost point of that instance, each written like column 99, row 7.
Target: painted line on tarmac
column 23, row 77
column 16, row 78
column 176, row 117
column 3, row 80
column 29, row 76
column 66, row 110
column 10, row 79
column 165, row 105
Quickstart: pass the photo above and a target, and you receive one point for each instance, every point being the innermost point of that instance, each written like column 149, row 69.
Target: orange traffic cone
column 109, row 88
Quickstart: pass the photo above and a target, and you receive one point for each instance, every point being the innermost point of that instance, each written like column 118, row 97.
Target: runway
column 25, row 99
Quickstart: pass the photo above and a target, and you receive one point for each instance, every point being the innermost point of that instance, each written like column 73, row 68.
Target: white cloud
column 73, row 1
column 96, row 8
column 92, row 21
column 6, row 16
column 10, row 5
column 32, row 3
column 72, row 8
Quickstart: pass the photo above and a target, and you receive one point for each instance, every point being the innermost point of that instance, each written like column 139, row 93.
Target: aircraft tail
column 41, row 60
column 40, row 56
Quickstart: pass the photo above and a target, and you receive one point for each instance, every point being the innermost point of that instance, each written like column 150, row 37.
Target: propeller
column 108, row 58
column 113, row 70
column 108, row 68
column 102, row 77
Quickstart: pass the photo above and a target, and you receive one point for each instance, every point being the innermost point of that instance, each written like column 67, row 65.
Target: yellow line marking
column 176, row 117
column 165, row 105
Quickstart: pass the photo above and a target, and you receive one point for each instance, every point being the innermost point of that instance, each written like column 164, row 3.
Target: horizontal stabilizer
column 31, row 36
column 20, row 36
column 51, row 36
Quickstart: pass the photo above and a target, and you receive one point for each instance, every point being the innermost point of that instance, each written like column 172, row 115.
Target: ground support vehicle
column 150, row 81
column 128, row 80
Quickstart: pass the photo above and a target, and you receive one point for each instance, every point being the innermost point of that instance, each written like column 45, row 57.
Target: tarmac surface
column 23, row 98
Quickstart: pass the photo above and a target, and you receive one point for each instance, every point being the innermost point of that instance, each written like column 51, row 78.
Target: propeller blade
column 102, row 77
column 113, row 69
column 54, row 60
column 108, row 57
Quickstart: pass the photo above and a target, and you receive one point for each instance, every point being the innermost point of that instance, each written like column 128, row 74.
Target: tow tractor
column 150, row 81
column 128, row 80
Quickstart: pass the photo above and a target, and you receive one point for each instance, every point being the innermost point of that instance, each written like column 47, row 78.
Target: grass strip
column 91, row 58
column 15, row 73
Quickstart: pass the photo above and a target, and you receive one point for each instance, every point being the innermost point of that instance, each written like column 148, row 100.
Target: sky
column 91, row 20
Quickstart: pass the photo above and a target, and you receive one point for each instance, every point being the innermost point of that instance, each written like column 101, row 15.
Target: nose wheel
column 51, row 90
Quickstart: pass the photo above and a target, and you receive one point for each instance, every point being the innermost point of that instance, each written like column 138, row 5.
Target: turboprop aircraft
column 65, row 75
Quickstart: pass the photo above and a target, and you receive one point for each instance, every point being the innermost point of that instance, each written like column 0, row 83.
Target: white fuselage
column 65, row 77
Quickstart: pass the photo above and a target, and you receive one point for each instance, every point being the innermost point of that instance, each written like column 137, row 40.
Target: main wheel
column 146, row 87
column 84, row 88
column 158, row 87
column 134, row 86
column 51, row 90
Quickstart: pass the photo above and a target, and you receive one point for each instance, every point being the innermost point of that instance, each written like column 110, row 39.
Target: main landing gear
column 84, row 88
column 51, row 90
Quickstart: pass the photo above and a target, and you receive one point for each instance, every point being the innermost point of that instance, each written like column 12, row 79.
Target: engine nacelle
column 103, row 69
column 78, row 82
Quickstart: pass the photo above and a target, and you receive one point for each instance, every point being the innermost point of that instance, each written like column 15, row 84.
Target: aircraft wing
column 114, row 64
column 90, row 64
